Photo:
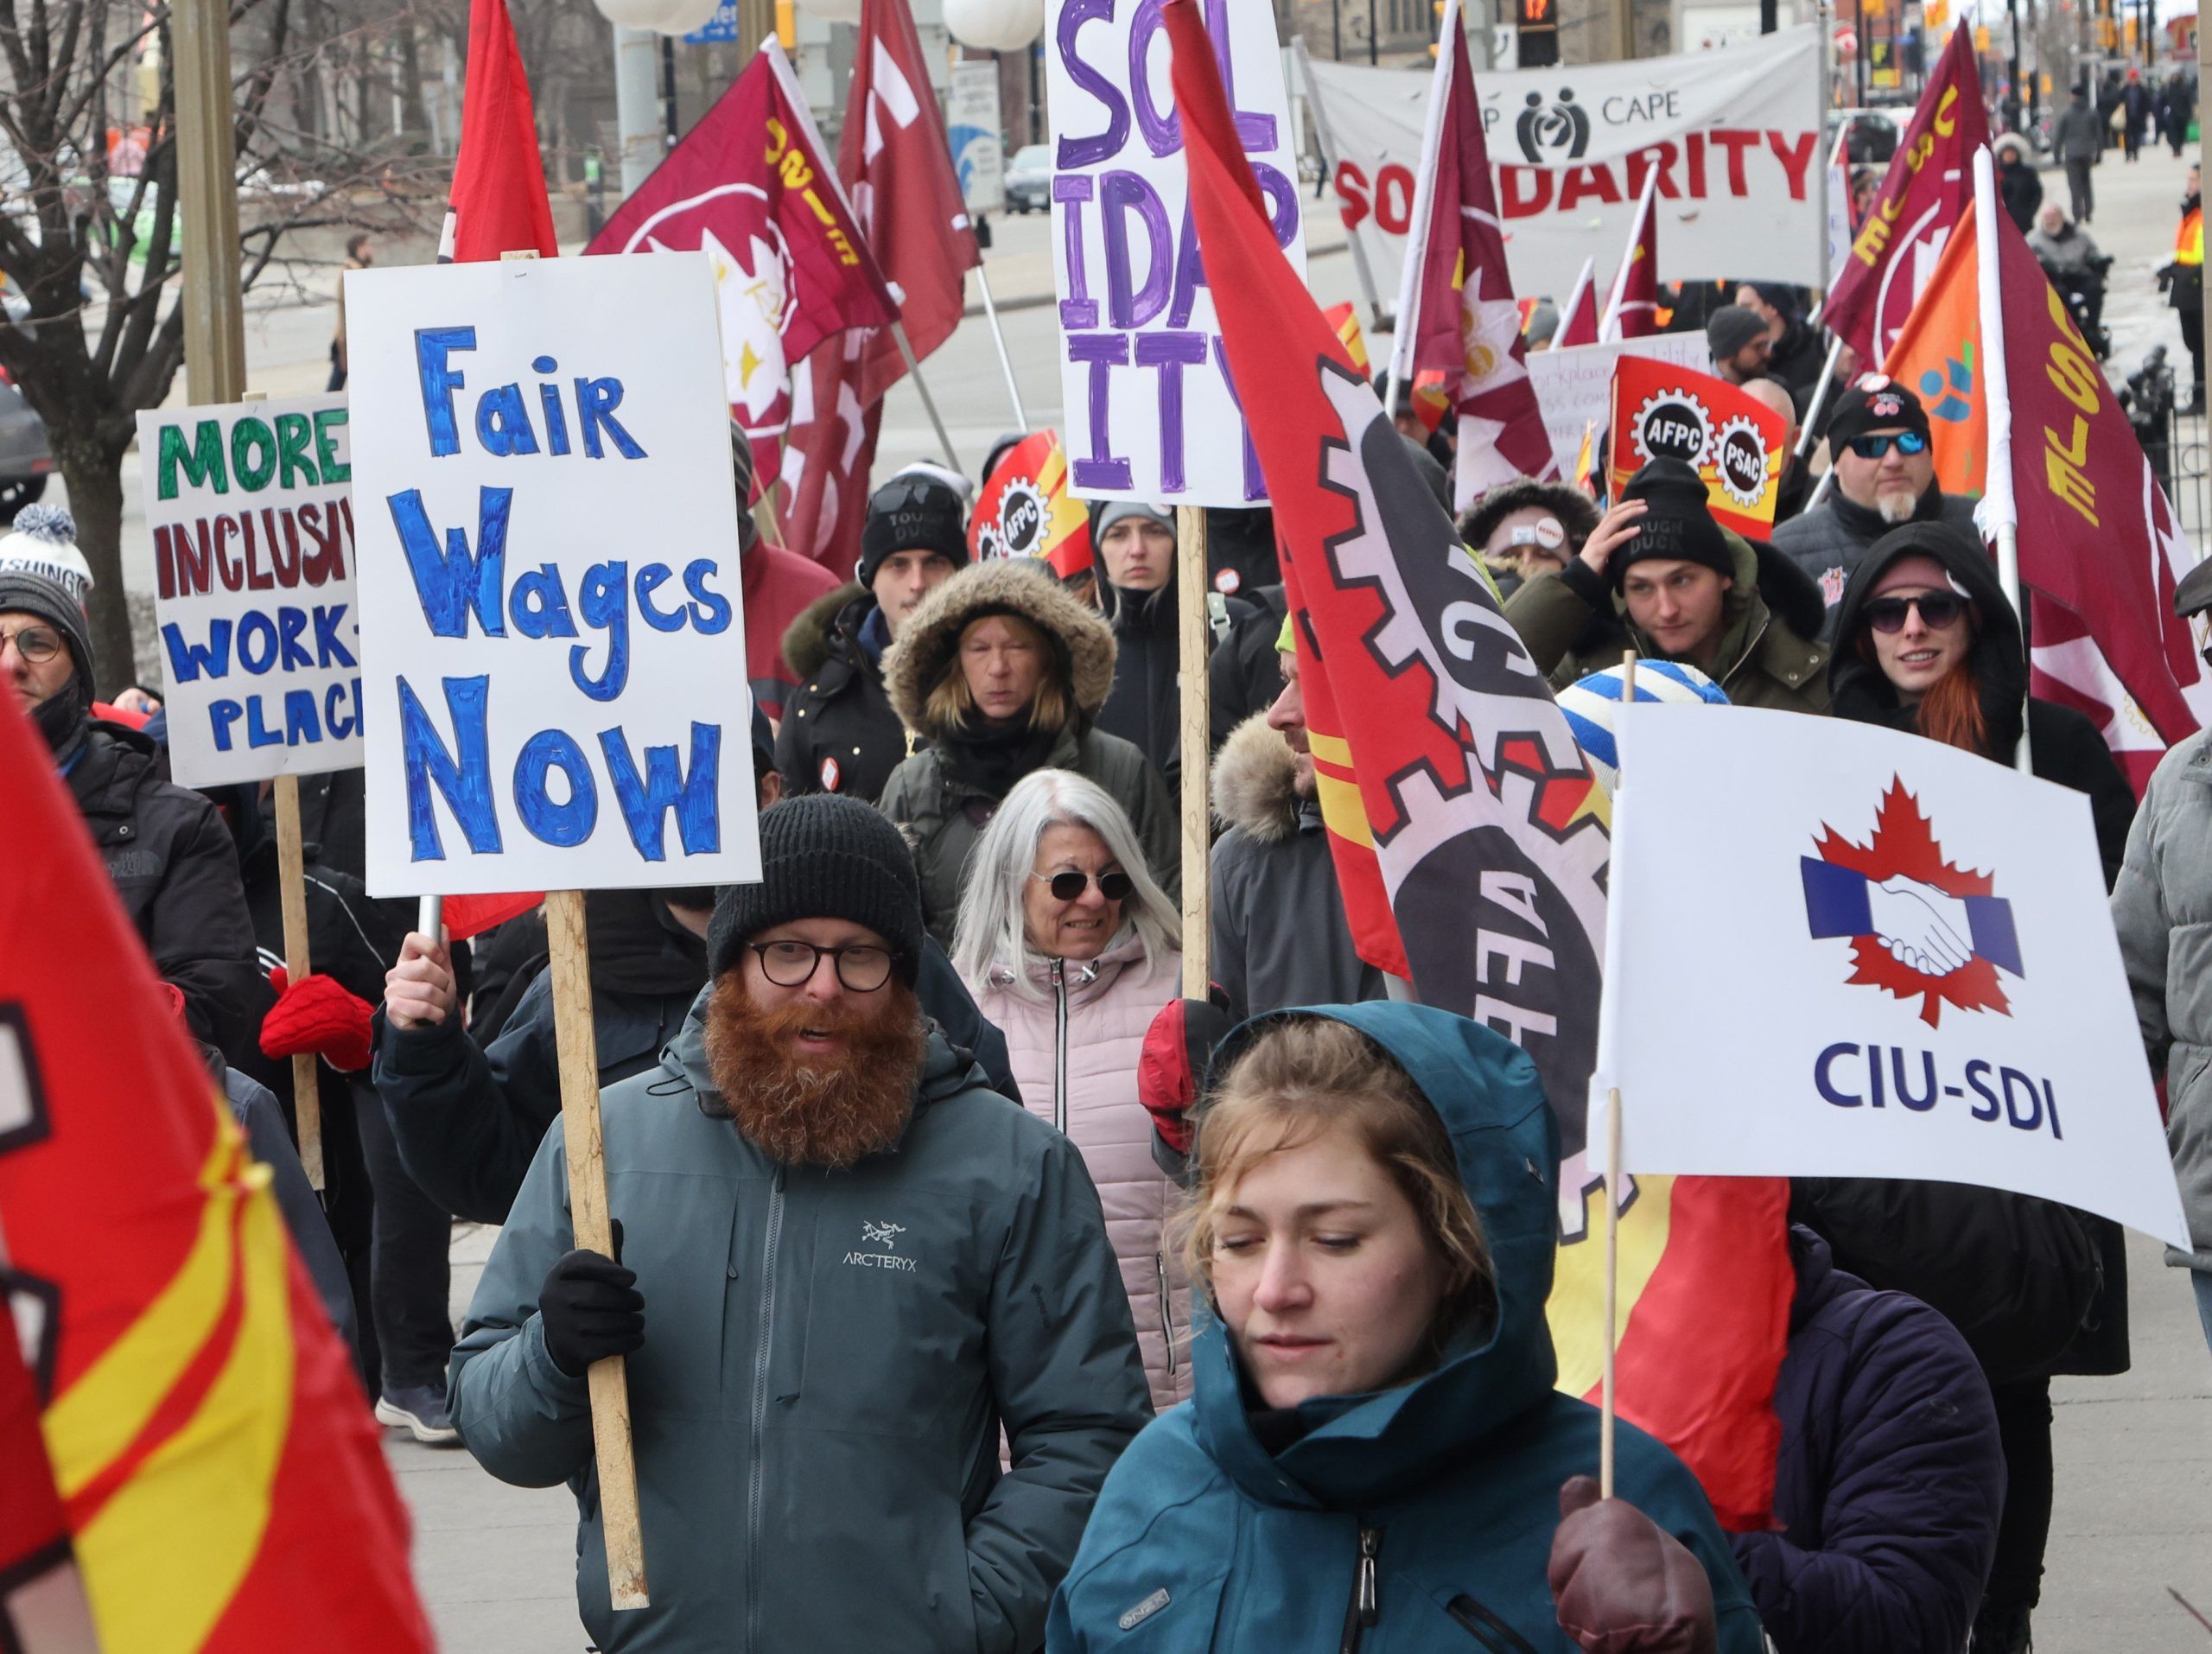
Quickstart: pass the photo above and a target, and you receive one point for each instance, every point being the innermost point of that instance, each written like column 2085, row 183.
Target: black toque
column 825, row 856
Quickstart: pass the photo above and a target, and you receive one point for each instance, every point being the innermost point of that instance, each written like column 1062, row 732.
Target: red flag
column 2098, row 541
column 498, row 204
column 1926, row 188
column 896, row 165
column 1460, row 314
column 1578, row 317
column 1731, row 439
column 213, row 1453
column 1632, row 311
column 1457, row 803
column 1025, row 510
column 751, row 187
column 1346, row 319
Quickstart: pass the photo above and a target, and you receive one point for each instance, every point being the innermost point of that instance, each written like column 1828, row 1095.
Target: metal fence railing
column 2175, row 441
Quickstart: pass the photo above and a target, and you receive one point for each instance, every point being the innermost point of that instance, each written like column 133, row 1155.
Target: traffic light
column 1538, row 22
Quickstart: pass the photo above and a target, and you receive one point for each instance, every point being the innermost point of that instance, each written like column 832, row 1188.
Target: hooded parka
column 941, row 799
column 829, row 1360
column 1575, row 623
column 839, row 733
column 1075, row 1047
column 1415, row 1519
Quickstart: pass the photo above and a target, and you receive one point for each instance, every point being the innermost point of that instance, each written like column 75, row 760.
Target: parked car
column 1029, row 179
column 1870, row 136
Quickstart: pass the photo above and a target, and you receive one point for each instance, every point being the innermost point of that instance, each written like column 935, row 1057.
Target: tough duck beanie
column 825, row 856
column 1676, row 523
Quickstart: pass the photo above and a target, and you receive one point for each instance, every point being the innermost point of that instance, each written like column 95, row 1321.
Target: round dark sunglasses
column 1069, row 886
column 1874, row 447
column 1937, row 610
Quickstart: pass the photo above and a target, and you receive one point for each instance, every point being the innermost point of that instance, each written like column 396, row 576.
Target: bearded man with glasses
column 1879, row 446
column 844, row 1267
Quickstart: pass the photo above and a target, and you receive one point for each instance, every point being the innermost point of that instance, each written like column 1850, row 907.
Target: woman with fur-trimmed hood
column 1002, row 674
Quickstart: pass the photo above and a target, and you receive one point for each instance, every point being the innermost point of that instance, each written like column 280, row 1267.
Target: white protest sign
column 1149, row 414
column 553, row 653
column 1375, row 120
column 249, row 506
column 1887, row 958
column 1735, row 134
column 1574, row 386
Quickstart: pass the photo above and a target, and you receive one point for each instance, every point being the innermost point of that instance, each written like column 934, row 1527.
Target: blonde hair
column 950, row 701
column 1302, row 1076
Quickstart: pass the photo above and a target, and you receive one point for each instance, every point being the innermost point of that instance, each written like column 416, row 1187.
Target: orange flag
column 217, row 1477
column 1938, row 357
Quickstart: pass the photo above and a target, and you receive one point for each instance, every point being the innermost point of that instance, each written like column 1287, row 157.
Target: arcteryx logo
column 886, row 1236
column 1551, row 133
column 1920, row 927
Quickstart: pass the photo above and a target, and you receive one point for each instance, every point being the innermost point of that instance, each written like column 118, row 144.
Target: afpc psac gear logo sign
column 1920, row 927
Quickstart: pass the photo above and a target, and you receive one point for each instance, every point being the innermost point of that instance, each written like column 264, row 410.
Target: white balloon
column 994, row 25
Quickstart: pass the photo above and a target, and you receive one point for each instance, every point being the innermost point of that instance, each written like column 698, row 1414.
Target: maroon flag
column 498, row 204
column 1928, row 184
column 896, row 164
column 2099, row 543
column 1460, row 313
column 1632, row 311
column 1578, row 317
column 750, row 187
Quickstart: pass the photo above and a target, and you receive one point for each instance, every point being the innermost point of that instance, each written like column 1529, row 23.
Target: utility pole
column 208, row 204
column 1624, row 30
column 1374, row 46
column 637, row 105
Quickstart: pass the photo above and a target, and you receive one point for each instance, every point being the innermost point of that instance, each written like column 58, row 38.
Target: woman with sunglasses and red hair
column 1927, row 642
column 1070, row 946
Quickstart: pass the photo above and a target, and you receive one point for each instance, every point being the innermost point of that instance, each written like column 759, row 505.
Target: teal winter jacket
column 1418, row 1518
column 829, row 1360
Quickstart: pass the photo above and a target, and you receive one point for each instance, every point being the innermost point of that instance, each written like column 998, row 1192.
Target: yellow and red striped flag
column 1346, row 319
column 209, row 1451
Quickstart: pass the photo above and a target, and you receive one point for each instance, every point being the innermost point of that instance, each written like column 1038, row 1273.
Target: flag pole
column 1607, row 1409
column 1006, row 362
column 292, row 895
column 1820, row 390
column 1440, row 92
column 1609, row 329
column 1361, row 268
column 430, row 915
column 1583, row 284
column 1999, row 509
column 928, row 402
column 1197, row 746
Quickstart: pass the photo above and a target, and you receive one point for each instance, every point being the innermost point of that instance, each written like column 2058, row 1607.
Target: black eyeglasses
column 1874, row 446
column 792, row 964
column 1937, row 610
column 1069, row 886
column 34, row 644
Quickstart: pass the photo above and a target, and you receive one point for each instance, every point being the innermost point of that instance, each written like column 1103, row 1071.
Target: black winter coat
column 1145, row 707
column 173, row 864
column 2036, row 1287
column 2021, row 192
column 839, row 732
column 1889, row 1479
column 1828, row 544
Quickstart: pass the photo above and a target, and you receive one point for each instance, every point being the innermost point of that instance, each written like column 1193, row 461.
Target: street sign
column 722, row 26
column 971, row 125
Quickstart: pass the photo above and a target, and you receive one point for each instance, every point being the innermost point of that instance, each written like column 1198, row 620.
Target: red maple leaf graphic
column 1903, row 842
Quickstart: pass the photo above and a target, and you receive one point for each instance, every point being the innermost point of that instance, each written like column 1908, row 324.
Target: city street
column 2134, row 1518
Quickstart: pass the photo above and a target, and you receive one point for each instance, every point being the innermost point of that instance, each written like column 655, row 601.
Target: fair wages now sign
column 1150, row 413
column 250, row 509
column 1886, row 959
column 552, row 646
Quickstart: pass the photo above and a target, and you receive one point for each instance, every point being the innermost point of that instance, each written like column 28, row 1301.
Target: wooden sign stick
column 1606, row 1408
column 1197, row 746
column 578, row 1044
column 291, row 886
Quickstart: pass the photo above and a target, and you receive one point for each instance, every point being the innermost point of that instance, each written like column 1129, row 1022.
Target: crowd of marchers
column 978, row 1289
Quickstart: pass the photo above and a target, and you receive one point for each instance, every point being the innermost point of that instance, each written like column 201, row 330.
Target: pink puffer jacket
column 1074, row 1053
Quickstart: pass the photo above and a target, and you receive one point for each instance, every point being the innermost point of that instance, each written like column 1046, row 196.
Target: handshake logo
column 1919, row 926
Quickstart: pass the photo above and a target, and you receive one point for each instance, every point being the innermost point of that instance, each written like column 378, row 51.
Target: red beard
column 828, row 1110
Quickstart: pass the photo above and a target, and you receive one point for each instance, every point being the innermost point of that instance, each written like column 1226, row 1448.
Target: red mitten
column 317, row 1014
column 1623, row 1584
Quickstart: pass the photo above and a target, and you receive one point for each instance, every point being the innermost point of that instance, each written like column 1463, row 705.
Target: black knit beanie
column 825, row 856
column 915, row 511
column 1677, row 523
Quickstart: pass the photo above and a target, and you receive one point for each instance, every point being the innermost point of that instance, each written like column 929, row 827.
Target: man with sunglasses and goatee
column 844, row 1266
column 1884, row 477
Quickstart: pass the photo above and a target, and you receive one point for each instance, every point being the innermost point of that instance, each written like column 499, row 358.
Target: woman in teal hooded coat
column 1374, row 1456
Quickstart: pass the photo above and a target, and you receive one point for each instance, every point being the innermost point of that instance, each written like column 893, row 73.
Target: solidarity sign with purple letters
column 552, row 648
column 1151, row 413
column 249, row 510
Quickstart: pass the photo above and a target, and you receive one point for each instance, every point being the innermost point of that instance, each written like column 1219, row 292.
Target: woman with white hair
column 1070, row 946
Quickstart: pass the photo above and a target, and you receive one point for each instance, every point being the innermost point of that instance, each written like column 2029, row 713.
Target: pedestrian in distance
column 2018, row 187
column 1884, row 463
column 2162, row 909
column 1661, row 576
column 1280, row 934
column 846, row 1269
column 360, row 254
column 2077, row 139
column 1070, row 946
column 2182, row 280
column 839, row 733
column 1374, row 1457
column 1002, row 674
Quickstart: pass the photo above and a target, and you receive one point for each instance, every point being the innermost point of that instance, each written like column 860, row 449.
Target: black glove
column 590, row 1309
